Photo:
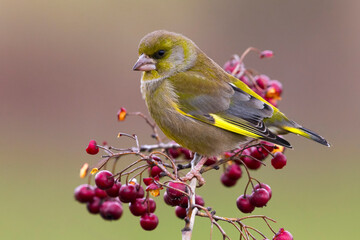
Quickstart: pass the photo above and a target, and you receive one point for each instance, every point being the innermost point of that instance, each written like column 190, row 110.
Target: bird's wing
column 224, row 105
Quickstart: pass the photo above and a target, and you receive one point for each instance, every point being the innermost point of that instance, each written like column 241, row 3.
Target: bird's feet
column 195, row 172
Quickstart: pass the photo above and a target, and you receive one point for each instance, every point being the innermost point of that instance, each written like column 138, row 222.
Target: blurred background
column 66, row 69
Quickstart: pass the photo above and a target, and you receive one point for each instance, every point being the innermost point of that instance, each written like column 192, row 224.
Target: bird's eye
column 159, row 54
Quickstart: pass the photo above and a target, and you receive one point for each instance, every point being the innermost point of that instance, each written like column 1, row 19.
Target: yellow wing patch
column 221, row 123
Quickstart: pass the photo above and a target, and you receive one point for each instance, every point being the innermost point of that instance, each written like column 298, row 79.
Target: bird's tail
column 308, row 134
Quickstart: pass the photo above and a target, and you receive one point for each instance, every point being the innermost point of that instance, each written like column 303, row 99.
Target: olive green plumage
column 200, row 106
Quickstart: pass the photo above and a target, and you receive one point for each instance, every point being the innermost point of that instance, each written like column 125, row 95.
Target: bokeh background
column 65, row 70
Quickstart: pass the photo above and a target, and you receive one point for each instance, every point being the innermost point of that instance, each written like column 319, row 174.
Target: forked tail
column 308, row 134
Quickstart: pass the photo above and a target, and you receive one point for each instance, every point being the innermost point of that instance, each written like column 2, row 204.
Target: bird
column 202, row 107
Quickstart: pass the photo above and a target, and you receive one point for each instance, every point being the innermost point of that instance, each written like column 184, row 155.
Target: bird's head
column 163, row 53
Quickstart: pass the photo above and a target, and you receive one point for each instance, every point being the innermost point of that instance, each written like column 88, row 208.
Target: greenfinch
column 199, row 105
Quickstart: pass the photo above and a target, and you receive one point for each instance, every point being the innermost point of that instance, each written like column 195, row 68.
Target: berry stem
column 190, row 218
column 151, row 124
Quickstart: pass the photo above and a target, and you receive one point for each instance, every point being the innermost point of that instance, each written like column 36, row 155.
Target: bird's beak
column 144, row 63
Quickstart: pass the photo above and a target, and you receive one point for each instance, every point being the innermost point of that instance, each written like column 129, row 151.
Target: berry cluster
column 166, row 170
column 267, row 88
column 258, row 198
column 108, row 196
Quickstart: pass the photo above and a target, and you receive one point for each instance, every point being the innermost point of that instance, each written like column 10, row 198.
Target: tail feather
column 308, row 134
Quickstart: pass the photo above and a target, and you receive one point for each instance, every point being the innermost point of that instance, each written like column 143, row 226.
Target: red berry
column 250, row 162
column 262, row 81
column 174, row 152
column 187, row 153
column 92, row 148
column 233, row 171
column 255, row 153
column 199, row 200
column 100, row 193
column 175, row 186
column 138, row 207
column 279, row 160
column 230, row 65
column 183, row 202
column 210, row 161
column 127, row 193
column 259, row 197
column 114, row 190
column 155, row 171
column 283, row 235
column 226, row 181
column 266, row 147
column 149, row 221
column 170, row 201
column 84, row 193
column 140, row 191
column 104, row 179
column 141, row 205
column 265, row 186
column 244, row 205
column 111, row 210
column 152, row 205
column 272, row 101
column 180, row 212
column 94, row 206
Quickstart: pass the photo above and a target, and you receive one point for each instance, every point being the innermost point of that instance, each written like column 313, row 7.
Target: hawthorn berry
column 250, row 162
column 262, row 81
column 92, row 148
column 230, row 65
column 180, row 212
column 138, row 207
column 210, row 161
column 128, row 193
column 257, row 153
column 244, row 205
column 266, row 147
column 111, row 210
column 149, row 221
column 283, row 235
column 259, row 197
column 233, row 172
column 100, row 193
column 187, row 153
column 183, row 202
column 104, row 179
column 94, row 206
column 152, row 205
column 114, row 190
column 84, row 193
column 174, row 187
column 279, row 160
column 226, row 181
column 140, row 191
column 155, row 171
column 174, row 152
column 199, row 200
column 265, row 186
column 173, row 201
